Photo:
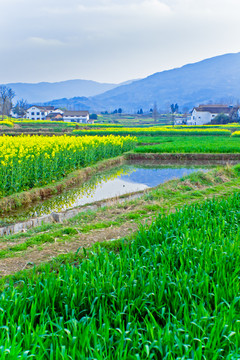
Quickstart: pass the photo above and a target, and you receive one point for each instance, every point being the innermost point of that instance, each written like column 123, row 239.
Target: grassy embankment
column 170, row 292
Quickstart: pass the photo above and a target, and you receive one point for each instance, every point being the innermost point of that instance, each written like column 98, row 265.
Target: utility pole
column 155, row 112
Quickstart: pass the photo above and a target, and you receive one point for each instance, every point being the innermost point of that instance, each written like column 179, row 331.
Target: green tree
column 93, row 116
column 174, row 108
column 221, row 119
column 20, row 108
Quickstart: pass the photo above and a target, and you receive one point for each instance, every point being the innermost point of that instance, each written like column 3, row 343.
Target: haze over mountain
column 216, row 79
column 45, row 91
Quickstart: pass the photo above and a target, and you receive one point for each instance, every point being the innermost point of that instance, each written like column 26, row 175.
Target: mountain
column 76, row 103
column 45, row 91
column 216, row 79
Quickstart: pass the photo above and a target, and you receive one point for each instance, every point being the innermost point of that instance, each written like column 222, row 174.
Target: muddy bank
column 181, row 158
column 16, row 201
column 64, row 215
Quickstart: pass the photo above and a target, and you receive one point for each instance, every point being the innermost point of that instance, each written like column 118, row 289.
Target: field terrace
column 155, row 277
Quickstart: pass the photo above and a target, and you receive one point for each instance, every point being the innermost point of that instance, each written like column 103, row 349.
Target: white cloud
column 38, row 41
column 111, row 40
column 128, row 8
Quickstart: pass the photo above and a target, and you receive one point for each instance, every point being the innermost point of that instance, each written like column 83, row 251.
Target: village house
column 76, row 116
column 204, row 114
column 36, row 112
column 55, row 115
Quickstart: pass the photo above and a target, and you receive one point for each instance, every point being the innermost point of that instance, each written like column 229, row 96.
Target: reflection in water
column 155, row 176
column 118, row 181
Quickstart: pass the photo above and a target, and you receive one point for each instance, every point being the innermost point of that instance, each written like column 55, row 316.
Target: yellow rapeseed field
column 28, row 161
column 236, row 134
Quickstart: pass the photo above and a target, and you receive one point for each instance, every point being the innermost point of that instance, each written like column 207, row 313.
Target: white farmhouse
column 76, row 116
column 203, row 114
column 36, row 112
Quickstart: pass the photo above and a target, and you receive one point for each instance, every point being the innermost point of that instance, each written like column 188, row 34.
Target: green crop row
column 188, row 144
column 171, row 293
column 154, row 131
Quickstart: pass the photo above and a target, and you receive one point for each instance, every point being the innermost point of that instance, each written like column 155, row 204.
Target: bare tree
column 6, row 97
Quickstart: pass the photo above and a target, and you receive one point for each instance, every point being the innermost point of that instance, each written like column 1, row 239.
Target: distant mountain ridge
column 216, row 79
column 46, row 91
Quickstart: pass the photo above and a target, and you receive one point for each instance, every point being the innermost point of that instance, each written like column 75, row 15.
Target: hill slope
column 212, row 79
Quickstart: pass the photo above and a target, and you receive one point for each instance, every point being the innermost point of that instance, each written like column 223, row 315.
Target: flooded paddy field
column 128, row 178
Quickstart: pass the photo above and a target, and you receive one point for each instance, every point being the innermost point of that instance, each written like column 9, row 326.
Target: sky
column 111, row 40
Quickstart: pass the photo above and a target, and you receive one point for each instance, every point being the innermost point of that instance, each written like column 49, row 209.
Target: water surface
column 124, row 179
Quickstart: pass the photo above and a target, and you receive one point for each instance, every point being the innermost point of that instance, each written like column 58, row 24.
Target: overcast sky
column 111, row 40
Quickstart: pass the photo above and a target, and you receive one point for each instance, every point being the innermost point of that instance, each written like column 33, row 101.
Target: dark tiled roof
column 44, row 108
column 75, row 113
column 37, row 106
column 215, row 109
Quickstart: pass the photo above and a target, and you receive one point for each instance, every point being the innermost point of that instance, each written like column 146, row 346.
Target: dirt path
column 34, row 257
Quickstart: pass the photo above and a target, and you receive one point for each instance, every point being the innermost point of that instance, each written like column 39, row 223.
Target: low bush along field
column 189, row 144
column 171, row 293
column 28, row 161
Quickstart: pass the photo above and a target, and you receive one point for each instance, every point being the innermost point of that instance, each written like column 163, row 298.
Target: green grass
column 170, row 293
column 189, row 144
